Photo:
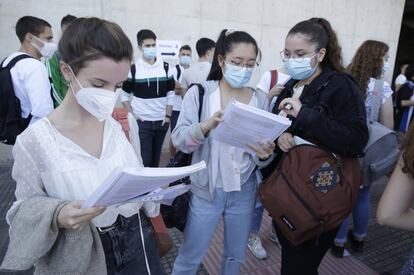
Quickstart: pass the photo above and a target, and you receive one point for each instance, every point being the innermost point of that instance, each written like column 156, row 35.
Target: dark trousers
column 174, row 119
column 124, row 254
column 151, row 135
column 304, row 258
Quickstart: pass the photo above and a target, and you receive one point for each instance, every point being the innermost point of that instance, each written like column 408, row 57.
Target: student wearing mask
column 29, row 76
column 57, row 81
column 199, row 71
column 149, row 95
column 227, row 188
column 64, row 157
column 368, row 65
column 326, row 108
column 184, row 63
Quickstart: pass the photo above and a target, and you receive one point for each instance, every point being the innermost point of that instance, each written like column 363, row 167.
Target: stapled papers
column 126, row 185
column 244, row 124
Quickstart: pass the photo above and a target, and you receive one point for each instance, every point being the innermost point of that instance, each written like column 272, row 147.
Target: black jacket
column 332, row 113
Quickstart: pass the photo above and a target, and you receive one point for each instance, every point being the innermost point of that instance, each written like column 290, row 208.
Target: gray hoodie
column 188, row 138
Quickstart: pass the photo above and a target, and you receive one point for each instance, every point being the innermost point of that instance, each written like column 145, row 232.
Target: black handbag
column 175, row 215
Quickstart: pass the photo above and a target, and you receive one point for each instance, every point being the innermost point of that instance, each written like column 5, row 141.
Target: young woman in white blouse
column 63, row 158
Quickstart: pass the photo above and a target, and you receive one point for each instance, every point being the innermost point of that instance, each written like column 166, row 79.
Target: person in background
column 227, row 188
column 149, row 94
column 268, row 85
column 401, row 78
column 395, row 206
column 64, row 157
column 405, row 101
column 199, row 70
column 368, row 65
column 313, row 58
column 29, row 76
column 184, row 63
column 57, row 81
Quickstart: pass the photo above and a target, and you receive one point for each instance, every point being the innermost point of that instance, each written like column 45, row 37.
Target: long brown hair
column 320, row 32
column 88, row 39
column 367, row 62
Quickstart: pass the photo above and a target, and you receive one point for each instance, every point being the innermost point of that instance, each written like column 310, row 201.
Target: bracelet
column 168, row 116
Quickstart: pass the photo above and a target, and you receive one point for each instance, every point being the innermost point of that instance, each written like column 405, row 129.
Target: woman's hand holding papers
column 211, row 123
column 72, row 216
column 263, row 149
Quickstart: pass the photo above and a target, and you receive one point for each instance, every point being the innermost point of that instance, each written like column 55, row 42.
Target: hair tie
column 229, row 31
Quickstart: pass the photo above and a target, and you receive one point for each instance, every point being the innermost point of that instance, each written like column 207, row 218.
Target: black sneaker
column 337, row 251
column 356, row 245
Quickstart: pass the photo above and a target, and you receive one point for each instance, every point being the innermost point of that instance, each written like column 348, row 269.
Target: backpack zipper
column 308, row 208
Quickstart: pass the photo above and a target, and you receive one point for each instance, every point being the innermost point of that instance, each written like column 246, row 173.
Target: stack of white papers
column 243, row 125
column 163, row 195
column 126, row 184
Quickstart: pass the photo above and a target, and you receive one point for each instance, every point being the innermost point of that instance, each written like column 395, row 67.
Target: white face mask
column 48, row 48
column 97, row 101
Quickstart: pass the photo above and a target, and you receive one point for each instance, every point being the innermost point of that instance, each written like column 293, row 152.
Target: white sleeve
column 400, row 80
column 26, row 174
column 37, row 86
column 264, row 83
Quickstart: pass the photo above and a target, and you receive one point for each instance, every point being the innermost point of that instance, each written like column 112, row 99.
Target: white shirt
column 400, row 80
column 197, row 73
column 178, row 99
column 31, row 86
column 264, row 83
column 387, row 92
column 46, row 163
column 241, row 160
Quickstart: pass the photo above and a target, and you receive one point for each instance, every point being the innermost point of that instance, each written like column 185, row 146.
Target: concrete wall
column 187, row 20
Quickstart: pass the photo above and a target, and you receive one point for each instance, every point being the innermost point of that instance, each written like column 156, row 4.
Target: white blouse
column 46, row 163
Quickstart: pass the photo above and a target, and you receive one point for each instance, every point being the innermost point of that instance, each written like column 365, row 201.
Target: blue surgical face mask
column 385, row 67
column 237, row 76
column 150, row 53
column 299, row 68
column 185, row 60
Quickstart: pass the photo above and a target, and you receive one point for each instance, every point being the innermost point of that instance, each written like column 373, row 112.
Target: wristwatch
column 169, row 116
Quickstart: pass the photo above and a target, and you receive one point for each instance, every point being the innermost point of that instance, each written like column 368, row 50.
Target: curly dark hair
column 367, row 62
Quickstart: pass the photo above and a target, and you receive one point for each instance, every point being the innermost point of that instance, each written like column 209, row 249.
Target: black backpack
column 175, row 215
column 11, row 122
column 178, row 72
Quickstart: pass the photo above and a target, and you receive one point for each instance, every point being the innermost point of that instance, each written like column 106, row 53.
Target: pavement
column 386, row 249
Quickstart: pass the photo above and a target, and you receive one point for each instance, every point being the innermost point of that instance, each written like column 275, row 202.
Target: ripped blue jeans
column 236, row 208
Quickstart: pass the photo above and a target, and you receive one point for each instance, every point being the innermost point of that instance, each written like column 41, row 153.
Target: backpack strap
column 121, row 115
column 178, row 72
column 14, row 61
column 133, row 72
column 201, row 92
column 166, row 68
column 273, row 78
